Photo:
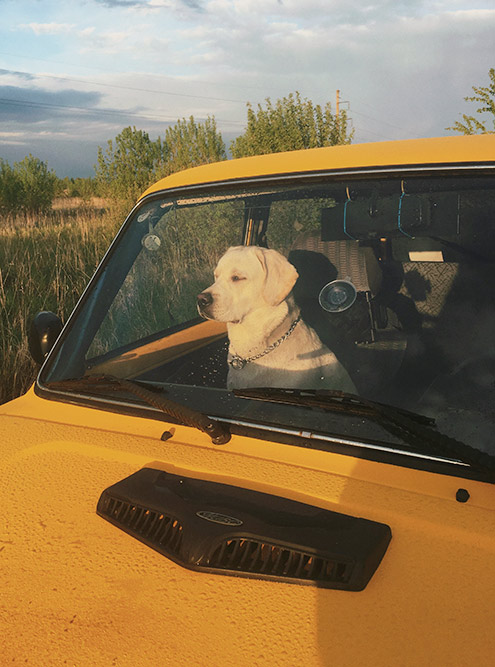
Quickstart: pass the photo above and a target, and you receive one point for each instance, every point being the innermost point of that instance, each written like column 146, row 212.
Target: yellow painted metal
column 76, row 590
column 414, row 152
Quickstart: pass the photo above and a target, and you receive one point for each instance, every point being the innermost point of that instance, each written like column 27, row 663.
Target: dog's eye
column 236, row 278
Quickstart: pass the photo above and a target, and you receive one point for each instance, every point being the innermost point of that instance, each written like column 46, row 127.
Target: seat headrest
column 350, row 260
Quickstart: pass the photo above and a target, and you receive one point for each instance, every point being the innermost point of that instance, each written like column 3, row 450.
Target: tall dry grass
column 45, row 263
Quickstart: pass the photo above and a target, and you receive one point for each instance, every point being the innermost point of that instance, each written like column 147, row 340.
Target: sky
column 74, row 74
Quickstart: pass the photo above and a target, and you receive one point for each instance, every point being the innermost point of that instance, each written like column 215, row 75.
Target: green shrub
column 27, row 188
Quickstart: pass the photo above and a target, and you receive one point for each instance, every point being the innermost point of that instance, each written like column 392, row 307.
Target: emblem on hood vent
column 219, row 518
column 280, row 539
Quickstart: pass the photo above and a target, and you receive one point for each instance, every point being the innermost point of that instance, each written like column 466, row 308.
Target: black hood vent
column 224, row 529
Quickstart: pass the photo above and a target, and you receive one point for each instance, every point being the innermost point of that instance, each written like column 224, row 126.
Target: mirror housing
column 43, row 332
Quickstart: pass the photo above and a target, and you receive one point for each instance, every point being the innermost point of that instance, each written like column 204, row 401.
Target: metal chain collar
column 238, row 362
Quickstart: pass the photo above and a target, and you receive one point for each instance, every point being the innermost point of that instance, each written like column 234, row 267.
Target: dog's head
column 246, row 278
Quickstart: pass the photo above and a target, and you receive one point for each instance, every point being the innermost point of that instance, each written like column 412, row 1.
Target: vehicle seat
column 367, row 337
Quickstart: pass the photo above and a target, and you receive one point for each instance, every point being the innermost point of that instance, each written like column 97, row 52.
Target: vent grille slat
column 301, row 568
column 148, row 519
column 125, row 512
column 276, row 565
column 152, row 525
column 133, row 517
column 255, row 557
column 161, row 529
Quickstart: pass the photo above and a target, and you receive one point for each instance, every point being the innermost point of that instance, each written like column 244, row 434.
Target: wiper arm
column 218, row 433
column 415, row 429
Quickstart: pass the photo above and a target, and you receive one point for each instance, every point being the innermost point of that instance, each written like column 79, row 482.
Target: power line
column 95, row 111
column 359, row 113
column 377, row 120
column 154, row 117
column 140, row 90
column 116, row 112
column 365, row 130
column 200, row 97
column 107, row 71
column 171, row 93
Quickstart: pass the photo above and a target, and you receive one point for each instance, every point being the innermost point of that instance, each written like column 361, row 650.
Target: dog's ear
column 280, row 275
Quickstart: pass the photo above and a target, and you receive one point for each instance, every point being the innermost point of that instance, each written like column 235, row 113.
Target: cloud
column 47, row 28
column 20, row 75
column 12, row 138
column 196, row 5
column 405, row 67
column 314, row 12
column 122, row 3
column 19, row 105
column 108, row 42
column 300, row 44
column 68, row 156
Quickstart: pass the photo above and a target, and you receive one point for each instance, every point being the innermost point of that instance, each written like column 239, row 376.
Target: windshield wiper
column 415, row 429
column 326, row 399
column 218, row 433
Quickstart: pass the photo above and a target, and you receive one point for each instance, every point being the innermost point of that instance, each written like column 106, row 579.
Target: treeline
column 132, row 161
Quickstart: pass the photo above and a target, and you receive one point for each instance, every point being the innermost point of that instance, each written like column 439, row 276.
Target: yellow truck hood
column 77, row 590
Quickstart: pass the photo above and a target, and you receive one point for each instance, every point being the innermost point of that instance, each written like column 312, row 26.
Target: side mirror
column 43, row 332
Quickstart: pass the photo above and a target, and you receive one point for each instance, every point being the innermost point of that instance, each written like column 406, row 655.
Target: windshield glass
column 380, row 287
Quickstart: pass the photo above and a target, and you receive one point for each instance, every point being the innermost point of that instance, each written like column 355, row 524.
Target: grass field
column 45, row 263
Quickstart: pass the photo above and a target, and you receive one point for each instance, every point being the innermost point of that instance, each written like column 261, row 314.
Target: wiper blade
column 415, row 429
column 327, row 399
column 218, row 433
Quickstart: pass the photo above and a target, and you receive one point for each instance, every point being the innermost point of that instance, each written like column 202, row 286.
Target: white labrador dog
column 270, row 346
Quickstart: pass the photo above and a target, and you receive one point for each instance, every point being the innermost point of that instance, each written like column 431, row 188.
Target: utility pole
column 337, row 106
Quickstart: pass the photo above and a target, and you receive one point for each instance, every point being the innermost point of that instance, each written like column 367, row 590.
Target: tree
column 291, row 124
column 10, row 189
column 127, row 166
column 28, row 187
column 189, row 144
column 485, row 96
column 37, row 184
column 133, row 161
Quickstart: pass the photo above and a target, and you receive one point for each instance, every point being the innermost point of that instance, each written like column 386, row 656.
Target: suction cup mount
column 337, row 296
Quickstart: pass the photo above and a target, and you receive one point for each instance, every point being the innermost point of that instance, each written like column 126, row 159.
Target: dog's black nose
column 204, row 299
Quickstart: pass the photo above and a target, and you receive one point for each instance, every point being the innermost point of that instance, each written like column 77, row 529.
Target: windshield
column 379, row 287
